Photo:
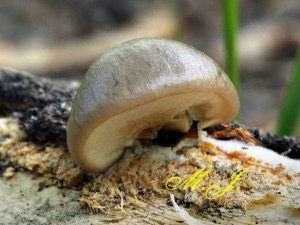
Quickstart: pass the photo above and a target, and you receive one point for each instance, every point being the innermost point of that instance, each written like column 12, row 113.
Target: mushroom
column 140, row 87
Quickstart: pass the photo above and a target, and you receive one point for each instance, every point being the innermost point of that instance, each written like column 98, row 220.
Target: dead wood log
column 133, row 189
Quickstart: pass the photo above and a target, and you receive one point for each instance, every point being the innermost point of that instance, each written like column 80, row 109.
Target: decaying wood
column 133, row 190
column 41, row 106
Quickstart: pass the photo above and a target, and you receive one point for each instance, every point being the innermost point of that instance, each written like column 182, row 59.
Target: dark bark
column 41, row 106
column 280, row 144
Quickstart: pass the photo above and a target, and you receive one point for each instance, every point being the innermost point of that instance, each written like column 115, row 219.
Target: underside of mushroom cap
column 143, row 84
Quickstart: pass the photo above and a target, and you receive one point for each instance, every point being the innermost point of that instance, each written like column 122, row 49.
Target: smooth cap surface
column 143, row 84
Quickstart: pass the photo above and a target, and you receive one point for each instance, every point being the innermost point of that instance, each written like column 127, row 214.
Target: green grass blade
column 290, row 111
column 230, row 18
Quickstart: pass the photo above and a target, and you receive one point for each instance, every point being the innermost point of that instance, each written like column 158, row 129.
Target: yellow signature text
column 213, row 191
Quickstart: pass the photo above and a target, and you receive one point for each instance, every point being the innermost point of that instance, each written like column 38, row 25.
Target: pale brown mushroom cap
column 142, row 84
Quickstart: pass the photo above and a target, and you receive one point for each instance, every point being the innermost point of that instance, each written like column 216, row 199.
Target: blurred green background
column 254, row 41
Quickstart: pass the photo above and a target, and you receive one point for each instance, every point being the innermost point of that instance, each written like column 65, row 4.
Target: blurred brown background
column 60, row 39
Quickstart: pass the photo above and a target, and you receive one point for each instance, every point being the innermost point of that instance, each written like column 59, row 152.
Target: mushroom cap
column 139, row 85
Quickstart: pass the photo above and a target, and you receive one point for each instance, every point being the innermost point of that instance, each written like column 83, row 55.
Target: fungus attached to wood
column 140, row 87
